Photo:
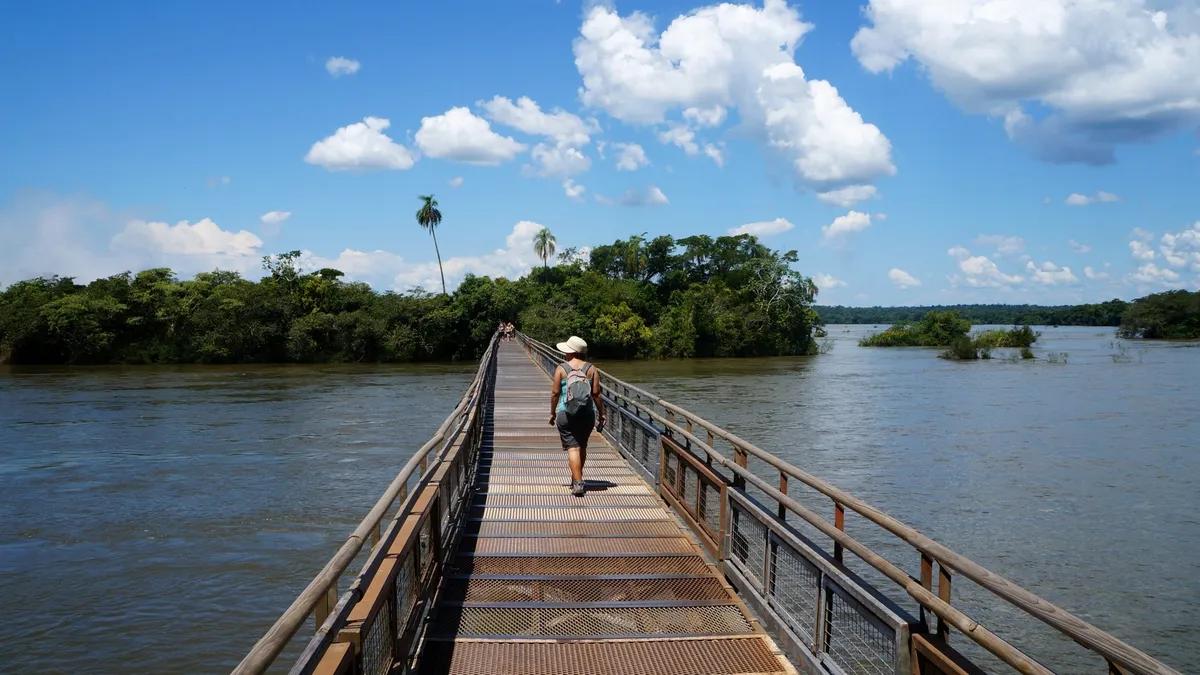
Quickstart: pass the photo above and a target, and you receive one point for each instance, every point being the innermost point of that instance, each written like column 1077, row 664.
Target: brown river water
column 157, row 519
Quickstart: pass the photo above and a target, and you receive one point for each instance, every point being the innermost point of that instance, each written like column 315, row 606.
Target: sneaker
column 577, row 488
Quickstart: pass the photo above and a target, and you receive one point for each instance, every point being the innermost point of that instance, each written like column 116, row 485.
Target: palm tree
column 543, row 245
column 429, row 218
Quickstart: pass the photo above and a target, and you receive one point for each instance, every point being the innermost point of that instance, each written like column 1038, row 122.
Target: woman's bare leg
column 576, row 457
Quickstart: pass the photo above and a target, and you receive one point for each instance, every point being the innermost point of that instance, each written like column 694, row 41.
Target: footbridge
column 693, row 551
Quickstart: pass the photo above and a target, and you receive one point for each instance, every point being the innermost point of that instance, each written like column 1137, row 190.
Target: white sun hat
column 573, row 345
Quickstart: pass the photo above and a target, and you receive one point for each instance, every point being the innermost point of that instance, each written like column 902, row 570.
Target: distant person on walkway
column 576, row 406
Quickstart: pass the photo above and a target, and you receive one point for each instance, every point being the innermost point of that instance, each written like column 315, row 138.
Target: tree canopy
column 697, row 296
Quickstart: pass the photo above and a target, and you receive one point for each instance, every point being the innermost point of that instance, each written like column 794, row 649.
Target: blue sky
column 909, row 155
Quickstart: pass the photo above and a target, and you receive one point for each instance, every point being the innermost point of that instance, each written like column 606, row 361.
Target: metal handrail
column 1120, row 655
column 272, row 643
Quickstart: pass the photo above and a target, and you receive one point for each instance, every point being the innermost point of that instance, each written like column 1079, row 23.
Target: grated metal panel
column 653, row 528
column 582, row 546
column 737, row 655
column 593, row 499
column 590, row 622
column 594, row 487
column 854, row 643
column 595, row 473
column 485, row 478
column 584, row 590
column 577, row 514
column 581, row 566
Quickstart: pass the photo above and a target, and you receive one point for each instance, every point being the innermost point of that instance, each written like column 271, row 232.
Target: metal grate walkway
column 546, row 583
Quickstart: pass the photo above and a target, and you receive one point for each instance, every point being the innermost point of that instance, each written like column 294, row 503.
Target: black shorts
column 574, row 430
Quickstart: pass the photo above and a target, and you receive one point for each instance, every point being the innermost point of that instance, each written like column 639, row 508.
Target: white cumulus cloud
column 1094, row 274
column 204, row 237
column 461, row 136
column 682, row 136
column 705, row 117
column 573, row 190
column 527, row 116
column 1049, row 274
column 854, row 221
column 1101, row 197
column 651, row 195
column 338, row 66
column 763, row 228
column 827, row 281
column 1079, row 247
column 848, row 196
column 1151, row 274
column 274, row 217
column 558, row 160
column 360, row 146
column 630, row 156
column 902, row 279
column 980, row 271
column 1096, row 73
column 456, row 182
column 728, row 57
column 1002, row 244
column 715, row 153
column 1141, row 250
column 1182, row 249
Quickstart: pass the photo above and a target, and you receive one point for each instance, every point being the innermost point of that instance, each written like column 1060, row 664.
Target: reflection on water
column 1079, row 480
column 158, row 519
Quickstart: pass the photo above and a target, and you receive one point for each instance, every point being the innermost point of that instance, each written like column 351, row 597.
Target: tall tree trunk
column 433, row 231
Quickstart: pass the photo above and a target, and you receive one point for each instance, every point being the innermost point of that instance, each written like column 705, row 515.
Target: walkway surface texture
column 547, row 583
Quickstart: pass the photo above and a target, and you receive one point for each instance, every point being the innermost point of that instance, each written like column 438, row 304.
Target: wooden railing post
column 926, row 583
column 839, row 521
column 944, row 595
column 326, row 604
column 783, row 487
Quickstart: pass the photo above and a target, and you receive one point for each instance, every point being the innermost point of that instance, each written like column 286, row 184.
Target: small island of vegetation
column 636, row 297
column 945, row 328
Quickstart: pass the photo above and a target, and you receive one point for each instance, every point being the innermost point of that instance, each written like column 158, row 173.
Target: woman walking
column 576, row 406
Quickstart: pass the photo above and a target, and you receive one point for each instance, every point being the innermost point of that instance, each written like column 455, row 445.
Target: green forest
column 1107, row 313
column 636, row 297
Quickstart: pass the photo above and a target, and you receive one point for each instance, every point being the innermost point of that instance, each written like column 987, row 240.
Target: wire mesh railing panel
column 856, row 644
column 688, row 493
column 405, row 599
column 748, row 543
column 795, row 590
column 378, row 644
column 709, row 507
column 670, row 471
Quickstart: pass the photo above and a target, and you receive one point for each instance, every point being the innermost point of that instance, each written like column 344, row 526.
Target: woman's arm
column 555, row 392
column 597, row 398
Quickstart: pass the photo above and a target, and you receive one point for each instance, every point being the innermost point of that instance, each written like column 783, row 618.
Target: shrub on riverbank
column 1173, row 315
column 935, row 329
column 696, row 296
column 1017, row 337
column 948, row 329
